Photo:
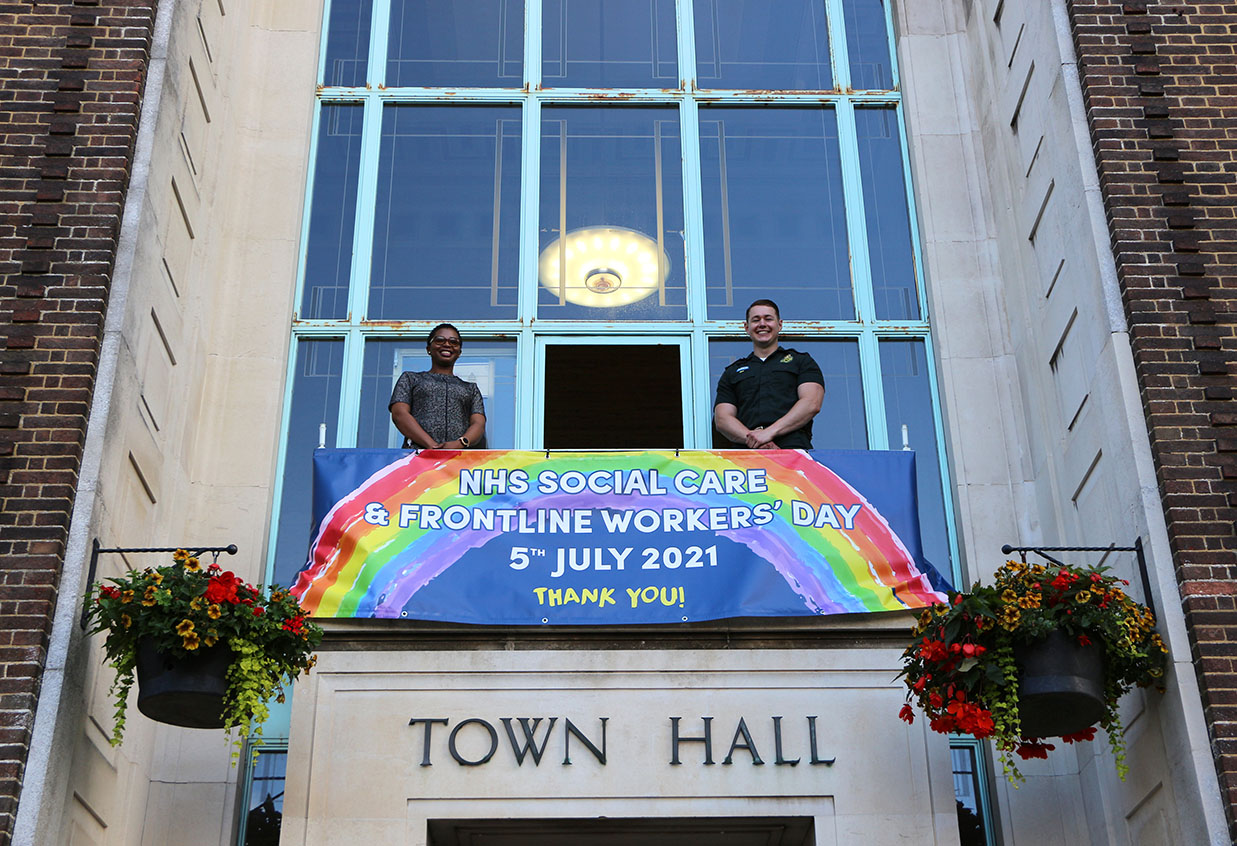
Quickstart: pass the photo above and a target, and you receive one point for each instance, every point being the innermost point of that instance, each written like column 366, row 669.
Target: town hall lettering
column 529, row 738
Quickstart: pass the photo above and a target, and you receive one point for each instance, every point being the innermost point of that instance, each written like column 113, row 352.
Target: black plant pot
column 1060, row 685
column 185, row 692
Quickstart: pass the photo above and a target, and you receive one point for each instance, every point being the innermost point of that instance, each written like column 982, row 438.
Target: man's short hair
column 429, row 339
column 777, row 312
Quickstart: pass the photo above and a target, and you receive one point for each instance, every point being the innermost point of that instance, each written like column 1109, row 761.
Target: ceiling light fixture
column 606, row 266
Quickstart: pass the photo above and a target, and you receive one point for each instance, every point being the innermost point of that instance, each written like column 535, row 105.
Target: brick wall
column 1160, row 86
column 71, row 78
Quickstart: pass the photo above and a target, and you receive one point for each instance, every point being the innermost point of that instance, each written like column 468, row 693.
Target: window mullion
column 839, row 53
column 856, row 218
column 873, row 391
column 367, row 191
column 530, row 187
column 532, row 44
column 380, row 26
column 350, row 379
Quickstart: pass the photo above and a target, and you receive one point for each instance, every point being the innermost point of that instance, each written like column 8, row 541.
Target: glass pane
column 266, row 789
column 774, row 216
column 762, row 44
column 888, row 218
column 491, row 364
column 612, row 180
column 841, row 423
column 908, row 402
column 447, row 218
column 443, row 43
column 867, row 42
column 315, row 400
column 966, row 791
column 347, row 43
column 608, row 44
column 332, row 214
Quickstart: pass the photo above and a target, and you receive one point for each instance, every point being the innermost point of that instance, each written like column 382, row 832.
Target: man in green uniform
column 768, row 399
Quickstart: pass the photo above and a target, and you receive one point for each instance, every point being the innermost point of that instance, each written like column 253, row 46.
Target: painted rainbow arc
column 361, row 570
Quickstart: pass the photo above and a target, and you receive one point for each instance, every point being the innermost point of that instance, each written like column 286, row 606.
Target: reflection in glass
column 971, row 829
column 762, row 44
column 315, row 400
column 842, row 422
column 446, row 222
column 445, row 43
column 867, row 42
column 608, row 44
column 266, row 789
column 491, row 364
column 332, row 214
column 888, row 217
column 774, row 215
column 347, row 43
column 611, row 180
column 908, row 403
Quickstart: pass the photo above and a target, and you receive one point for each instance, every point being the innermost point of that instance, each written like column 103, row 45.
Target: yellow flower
column 148, row 599
column 191, row 641
column 1082, row 596
column 1029, row 600
column 196, row 603
column 180, row 555
column 1010, row 618
column 184, row 627
column 156, row 577
column 192, row 564
column 214, row 611
column 126, row 597
column 210, row 641
column 126, row 620
column 1008, row 596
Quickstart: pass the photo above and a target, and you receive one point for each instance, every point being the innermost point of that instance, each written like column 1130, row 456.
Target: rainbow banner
column 590, row 538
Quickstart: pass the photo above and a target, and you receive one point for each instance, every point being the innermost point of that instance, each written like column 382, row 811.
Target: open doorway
column 687, row 831
column 613, row 396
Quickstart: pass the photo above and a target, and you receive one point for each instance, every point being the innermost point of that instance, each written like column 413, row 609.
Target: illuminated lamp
column 606, row 267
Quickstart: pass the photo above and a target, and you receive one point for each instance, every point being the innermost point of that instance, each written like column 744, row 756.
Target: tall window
column 553, row 174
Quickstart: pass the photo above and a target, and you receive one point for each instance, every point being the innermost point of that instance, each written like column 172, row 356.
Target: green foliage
column 960, row 668
column 181, row 608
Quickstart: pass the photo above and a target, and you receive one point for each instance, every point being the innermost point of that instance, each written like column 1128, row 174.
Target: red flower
column 110, row 592
column 222, row 588
column 1080, row 736
column 935, row 699
column 907, row 713
column 1083, row 640
column 257, row 611
column 1033, row 748
column 970, row 718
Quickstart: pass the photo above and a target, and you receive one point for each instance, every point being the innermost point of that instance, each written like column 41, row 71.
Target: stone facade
column 1160, row 85
column 71, row 78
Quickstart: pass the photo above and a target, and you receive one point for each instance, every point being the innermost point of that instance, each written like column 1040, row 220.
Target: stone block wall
column 1160, row 86
column 71, row 77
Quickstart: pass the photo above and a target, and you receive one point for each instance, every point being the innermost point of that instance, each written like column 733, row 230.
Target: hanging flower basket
column 1044, row 652
column 207, row 649
column 1060, row 685
column 183, row 691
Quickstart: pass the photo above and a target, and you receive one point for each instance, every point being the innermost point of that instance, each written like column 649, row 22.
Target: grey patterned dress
column 441, row 403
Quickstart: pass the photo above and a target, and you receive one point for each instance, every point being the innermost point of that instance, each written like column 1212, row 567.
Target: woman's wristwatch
column 464, row 442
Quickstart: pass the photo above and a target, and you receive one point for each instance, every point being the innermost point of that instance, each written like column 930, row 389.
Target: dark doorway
column 619, row 396
column 698, row 831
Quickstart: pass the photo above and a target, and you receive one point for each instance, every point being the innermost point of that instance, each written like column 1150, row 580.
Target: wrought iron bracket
column 1137, row 549
column 96, row 550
